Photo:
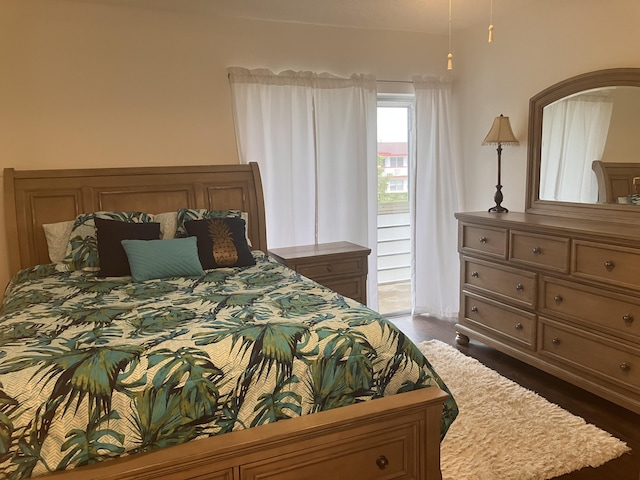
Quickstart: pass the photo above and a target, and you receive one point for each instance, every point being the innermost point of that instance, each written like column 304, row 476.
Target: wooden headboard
column 36, row 197
column 615, row 180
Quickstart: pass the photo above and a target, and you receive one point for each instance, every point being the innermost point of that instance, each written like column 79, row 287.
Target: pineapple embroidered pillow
column 188, row 214
column 221, row 242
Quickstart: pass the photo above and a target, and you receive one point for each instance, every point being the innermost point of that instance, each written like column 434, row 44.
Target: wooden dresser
column 562, row 294
column 340, row 266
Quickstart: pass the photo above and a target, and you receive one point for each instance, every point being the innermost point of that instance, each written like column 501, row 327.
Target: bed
column 617, row 182
column 187, row 353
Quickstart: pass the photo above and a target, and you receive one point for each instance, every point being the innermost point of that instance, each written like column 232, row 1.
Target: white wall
column 623, row 138
column 86, row 85
column 534, row 47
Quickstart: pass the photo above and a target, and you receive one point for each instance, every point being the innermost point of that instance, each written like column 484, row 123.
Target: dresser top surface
column 555, row 224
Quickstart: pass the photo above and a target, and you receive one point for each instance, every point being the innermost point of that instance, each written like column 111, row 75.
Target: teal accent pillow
column 149, row 259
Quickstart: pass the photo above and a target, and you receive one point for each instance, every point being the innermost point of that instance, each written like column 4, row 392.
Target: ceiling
column 431, row 16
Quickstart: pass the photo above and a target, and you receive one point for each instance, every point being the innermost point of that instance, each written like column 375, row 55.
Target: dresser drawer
column 543, row 251
column 615, row 313
column 606, row 263
column 499, row 319
column 599, row 356
column 317, row 270
column 383, row 454
column 510, row 284
column 351, row 287
column 486, row 240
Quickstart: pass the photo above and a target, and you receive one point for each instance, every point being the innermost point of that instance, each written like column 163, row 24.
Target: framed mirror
column 584, row 146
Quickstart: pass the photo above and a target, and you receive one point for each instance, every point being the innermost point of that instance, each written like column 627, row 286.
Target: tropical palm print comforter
column 96, row 368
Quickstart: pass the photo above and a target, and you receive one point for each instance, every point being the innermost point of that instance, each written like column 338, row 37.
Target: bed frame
column 393, row 437
column 616, row 180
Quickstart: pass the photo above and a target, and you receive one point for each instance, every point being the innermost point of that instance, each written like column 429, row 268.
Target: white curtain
column 314, row 137
column 574, row 133
column 435, row 263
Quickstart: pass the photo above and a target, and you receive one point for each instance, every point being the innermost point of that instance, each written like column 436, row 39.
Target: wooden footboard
column 393, row 437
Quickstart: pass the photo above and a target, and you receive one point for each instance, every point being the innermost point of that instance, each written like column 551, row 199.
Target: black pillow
column 221, row 242
column 111, row 255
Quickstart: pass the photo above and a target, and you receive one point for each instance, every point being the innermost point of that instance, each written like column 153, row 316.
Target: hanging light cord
column 491, row 23
column 450, row 56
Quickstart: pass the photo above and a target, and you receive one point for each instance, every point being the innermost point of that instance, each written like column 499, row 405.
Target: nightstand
column 340, row 266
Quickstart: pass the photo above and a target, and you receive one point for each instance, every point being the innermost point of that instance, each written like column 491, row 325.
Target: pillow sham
column 151, row 259
column 109, row 234
column 57, row 235
column 221, row 242
column 82, row 249
column 188, row 214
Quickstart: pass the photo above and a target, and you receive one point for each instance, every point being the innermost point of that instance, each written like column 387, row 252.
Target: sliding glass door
column 395, row 146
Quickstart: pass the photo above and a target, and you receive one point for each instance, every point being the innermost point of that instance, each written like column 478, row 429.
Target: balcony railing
column 394, row 257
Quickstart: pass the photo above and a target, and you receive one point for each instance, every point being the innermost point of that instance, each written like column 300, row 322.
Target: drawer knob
column 474, row 309
column 558, row 299
column 518, row 326
column 519, row 287
column 625, row 367
column 555, row 341
column 628, row 319
column 382, row 462
column 483, row 239
column 536, row 250
column 609, row 265
column 329, row 268
column 474, row 274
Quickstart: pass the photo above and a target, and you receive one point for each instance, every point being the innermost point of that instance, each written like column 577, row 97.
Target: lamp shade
column 500, row 133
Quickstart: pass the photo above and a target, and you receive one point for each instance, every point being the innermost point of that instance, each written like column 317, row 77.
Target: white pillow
column 57, row 235
column 245, row 217
column 168, row 223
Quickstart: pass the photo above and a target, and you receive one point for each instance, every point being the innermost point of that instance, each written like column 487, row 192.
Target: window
column 397, row 161
column 396, row 185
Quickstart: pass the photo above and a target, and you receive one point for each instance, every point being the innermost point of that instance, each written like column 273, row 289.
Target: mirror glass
column 600, row 125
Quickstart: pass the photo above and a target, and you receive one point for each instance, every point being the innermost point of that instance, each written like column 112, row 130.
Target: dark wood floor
column 616, row 420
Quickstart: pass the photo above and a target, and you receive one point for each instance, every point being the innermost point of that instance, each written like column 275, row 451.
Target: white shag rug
column 506, row 432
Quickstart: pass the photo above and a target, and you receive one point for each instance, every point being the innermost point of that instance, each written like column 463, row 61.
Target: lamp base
column 498, row 199
column 498, row 209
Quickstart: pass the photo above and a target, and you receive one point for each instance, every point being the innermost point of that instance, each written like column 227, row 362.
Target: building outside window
column 393, row 156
